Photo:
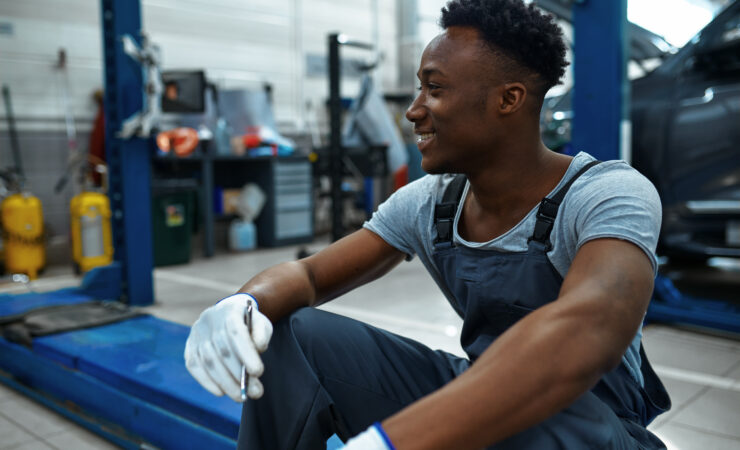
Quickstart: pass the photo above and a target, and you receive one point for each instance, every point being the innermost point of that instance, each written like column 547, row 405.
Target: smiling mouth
column 424, row 137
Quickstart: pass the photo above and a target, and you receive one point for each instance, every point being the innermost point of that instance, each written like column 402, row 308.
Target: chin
column 432, row 167
column 438, row 168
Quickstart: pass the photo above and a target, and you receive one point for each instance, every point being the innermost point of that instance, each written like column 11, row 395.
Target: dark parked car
column 686, row 140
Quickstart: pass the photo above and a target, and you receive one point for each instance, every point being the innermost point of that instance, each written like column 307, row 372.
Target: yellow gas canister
column 92, row 243
column 23, row 234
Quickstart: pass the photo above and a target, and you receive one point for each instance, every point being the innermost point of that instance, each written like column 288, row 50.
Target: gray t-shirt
column 610, row 200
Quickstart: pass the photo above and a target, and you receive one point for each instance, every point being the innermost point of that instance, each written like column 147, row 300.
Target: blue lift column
column 601, row 89
column 129, row 170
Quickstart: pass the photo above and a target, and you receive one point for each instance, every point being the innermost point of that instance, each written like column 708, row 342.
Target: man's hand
column 220, row 347
column 219, row 344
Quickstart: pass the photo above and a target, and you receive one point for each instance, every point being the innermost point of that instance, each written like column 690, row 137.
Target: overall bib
column 492, row 290
column 327, row 374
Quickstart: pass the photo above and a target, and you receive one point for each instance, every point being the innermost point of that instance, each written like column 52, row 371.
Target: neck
column 516, row 180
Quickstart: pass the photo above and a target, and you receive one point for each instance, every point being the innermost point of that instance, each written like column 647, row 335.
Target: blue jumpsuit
column 327, row 374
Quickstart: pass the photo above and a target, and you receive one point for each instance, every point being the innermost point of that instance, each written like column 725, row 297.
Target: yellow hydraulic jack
column 92, row 243
column 23, row 234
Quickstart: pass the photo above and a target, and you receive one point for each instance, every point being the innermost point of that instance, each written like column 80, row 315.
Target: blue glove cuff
column 385, row 437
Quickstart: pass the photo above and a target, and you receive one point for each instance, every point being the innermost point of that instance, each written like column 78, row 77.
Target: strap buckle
column 444, row 230
column 548, row 210
column 546, row 214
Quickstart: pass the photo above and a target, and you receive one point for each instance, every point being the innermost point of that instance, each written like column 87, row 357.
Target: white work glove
column 374, row 438
column 219, row 347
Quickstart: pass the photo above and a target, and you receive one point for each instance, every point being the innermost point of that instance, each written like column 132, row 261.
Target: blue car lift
column 125, row 381
column 601, row 127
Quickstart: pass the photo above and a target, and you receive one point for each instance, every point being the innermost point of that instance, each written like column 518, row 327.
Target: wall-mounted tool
column 21, row 214
column 148, row 55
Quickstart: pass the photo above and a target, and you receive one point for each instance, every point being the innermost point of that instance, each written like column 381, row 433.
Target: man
column 552, row 292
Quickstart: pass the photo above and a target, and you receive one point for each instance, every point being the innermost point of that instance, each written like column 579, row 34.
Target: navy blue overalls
column 327, row 374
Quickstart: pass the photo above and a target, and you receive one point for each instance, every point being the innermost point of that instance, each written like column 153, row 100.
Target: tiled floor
column 701, row 371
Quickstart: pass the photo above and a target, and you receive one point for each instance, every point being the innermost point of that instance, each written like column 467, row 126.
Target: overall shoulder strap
column 444, row 212
column 548, row 209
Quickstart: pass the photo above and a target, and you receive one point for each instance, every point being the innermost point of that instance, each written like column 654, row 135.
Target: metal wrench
column 248, row 323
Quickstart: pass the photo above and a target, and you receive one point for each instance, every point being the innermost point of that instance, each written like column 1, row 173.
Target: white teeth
column 423, row 137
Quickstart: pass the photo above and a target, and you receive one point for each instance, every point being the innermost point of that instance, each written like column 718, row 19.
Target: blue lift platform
column 670, row 305
column 125, row 381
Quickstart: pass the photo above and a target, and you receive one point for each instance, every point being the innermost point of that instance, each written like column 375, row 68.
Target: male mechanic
column 552, row 292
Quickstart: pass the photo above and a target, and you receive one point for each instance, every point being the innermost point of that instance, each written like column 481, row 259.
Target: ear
column 512, row 98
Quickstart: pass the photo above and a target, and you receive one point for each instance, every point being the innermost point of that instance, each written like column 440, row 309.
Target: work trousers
column 326, row 374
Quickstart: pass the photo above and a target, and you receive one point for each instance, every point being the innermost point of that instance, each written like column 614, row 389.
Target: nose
column 415, row 111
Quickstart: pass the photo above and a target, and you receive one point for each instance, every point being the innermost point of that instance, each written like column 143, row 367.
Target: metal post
column 409, row 50
column 601, row 89
column 208, row 215
column 14, row 146
column 336, row 151
column 128, row 159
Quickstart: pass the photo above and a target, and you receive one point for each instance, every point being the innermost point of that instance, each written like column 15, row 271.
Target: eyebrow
column 429, row 71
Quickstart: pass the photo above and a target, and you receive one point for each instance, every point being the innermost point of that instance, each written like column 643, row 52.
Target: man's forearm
column 346, row 264
column 282, row 289
column 537, row 368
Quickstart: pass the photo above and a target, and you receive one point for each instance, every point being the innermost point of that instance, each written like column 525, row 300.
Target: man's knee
column 300, row 323
column 309, row 328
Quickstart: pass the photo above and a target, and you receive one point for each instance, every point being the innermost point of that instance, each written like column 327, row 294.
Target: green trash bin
column 173, row 208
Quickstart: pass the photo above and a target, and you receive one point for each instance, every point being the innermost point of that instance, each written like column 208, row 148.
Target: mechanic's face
column 454, row 126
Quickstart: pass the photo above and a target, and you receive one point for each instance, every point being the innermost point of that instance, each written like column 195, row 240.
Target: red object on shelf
column 183, row 141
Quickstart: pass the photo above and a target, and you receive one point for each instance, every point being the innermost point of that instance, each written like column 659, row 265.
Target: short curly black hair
column 521, row 32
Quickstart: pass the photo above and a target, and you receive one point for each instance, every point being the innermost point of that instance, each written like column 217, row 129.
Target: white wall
column 240, row 43
column 28, row 55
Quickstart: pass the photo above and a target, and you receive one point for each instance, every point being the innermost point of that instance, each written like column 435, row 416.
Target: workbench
column 287, row 217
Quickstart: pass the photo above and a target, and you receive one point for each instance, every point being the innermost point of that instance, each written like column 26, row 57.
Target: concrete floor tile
column 709, row 338
column 12, row 435
column 407, row 291
column 53, row 278
column 33, row 417
column 734, row 373
column 7, row 394
column 75, row 437
column 717, row 411
column 176, row 289
column 714, row 356
column 678, row 437
column 681, row 393
column 184, row 315
column 34, row 445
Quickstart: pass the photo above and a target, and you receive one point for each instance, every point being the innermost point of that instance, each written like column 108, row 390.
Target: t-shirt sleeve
column 620, row 204
column 398, row 220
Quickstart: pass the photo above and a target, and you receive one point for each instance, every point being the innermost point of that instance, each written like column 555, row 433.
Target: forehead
column 458, row 49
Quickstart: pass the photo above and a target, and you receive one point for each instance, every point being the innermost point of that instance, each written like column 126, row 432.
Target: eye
column 430, row 86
